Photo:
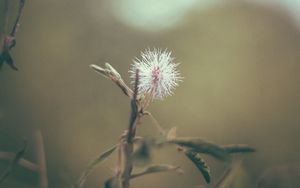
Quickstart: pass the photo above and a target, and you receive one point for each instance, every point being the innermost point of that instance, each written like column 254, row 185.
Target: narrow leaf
column 202, row 146
column 93, row 165
column 199, row 163
column 157, row 168
column 238, row 148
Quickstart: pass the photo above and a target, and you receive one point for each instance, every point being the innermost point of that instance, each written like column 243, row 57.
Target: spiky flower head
column 158, row 75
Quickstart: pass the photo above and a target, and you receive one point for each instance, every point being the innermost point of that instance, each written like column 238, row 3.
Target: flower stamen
column 155, row 76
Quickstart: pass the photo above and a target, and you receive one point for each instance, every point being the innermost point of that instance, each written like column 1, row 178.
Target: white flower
column 157, row 73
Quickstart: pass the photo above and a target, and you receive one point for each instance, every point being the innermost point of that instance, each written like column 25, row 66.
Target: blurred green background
column 240, row 61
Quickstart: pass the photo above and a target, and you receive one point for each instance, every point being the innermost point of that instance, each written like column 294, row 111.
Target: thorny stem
column 128, row 145
column 125, row 148
column 134, row 113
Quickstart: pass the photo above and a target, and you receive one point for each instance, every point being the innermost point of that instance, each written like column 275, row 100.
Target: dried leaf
column 200, row 164
column 157, row 168
column 172, row 133
column 93, row 165
column 238, row 148
column 202, row 146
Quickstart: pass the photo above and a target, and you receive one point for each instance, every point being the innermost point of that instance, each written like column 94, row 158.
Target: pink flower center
column 155, row 76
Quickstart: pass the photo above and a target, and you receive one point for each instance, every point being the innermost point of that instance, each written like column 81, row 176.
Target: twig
column 128, row 146
column 41, row 159
column 134, row 116
column 15, row 161
column 16, row 24
column 22, row 162
column 126, row 90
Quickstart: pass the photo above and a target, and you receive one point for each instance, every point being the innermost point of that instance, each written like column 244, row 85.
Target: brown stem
column 128, row 151
column 22, row 162
column 128, row 145
column 126, row 90
column 120, row 157
column 15, row 161
column 16, row 24
column 119, row 160
column 41, row 159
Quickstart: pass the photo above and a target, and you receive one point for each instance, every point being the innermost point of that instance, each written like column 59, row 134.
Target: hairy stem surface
column 128, row 146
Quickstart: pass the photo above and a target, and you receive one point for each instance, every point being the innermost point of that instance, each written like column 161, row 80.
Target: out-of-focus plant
column 155, row 76
column 39, row 167
column 17, row 158
column 9, row 40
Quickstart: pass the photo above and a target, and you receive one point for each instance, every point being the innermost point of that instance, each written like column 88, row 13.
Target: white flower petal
column 157, row 73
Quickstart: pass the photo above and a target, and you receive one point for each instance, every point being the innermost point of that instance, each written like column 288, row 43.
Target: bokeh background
column 240, row 61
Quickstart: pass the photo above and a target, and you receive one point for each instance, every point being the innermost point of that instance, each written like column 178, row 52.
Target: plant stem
column 128, row 151
column 22, row 162
column 128, row 145
column 41, row 159
column 16, row 23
